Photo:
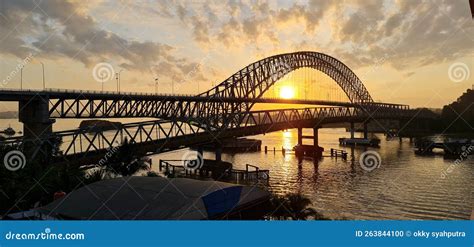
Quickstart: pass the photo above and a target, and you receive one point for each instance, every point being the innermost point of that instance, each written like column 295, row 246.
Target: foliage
column 457, row 115
column 152, row 174
column 124, row 162
column 293, row 206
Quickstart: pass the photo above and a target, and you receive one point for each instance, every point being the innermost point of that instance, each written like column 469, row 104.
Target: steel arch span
column 256, row 78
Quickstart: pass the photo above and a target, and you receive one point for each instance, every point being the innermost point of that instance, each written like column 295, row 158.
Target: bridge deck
column 79, row 145
column 68, row 94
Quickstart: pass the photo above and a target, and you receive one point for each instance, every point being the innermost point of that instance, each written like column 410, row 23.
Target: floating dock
column 237, row 145
column 359, row 142
column 449, row 147
column 308, row 151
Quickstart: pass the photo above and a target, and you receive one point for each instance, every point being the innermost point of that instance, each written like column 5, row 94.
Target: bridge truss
column 164, row 135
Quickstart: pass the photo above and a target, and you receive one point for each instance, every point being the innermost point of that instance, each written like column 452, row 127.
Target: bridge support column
column 200, row 152
column 313, row 150
column 352, row 130
column 37, row 126
column 218, row 151
column 366, row 131
column 300, row 136
column 315, row 137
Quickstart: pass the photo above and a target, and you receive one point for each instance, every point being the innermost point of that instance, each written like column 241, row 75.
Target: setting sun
column 287, row 92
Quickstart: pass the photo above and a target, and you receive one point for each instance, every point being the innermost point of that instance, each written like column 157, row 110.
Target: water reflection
column 406, row 186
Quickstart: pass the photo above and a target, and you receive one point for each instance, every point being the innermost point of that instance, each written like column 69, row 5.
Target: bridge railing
column 96, row 92
column 80, row 141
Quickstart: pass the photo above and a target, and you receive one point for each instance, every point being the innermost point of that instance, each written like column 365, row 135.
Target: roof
column 154, row 198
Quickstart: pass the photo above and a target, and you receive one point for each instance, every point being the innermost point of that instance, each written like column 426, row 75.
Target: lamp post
column 21, row 78
column 118, row 80
column 44, row 84
column 156, row 85
column 102, row 79
column 172, row 84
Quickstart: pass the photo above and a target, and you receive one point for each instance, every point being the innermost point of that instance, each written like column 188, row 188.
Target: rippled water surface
column 406, row 186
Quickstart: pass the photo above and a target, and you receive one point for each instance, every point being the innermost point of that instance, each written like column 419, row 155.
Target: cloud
column 411, row 33
column 404, row 34
column 65, row 29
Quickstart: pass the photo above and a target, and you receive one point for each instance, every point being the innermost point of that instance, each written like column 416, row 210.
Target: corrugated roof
column 153, row 198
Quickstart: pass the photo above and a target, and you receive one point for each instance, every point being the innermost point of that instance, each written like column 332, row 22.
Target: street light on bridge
column 117, row 77
column 156, row 85
column 21, row 78
column 44, row 84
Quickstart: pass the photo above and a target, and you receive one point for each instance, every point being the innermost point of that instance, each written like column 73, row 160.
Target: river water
column 405, row 186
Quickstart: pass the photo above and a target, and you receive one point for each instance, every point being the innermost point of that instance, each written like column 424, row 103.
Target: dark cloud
column 416, row 33
column 60, row 29
column 402, row 33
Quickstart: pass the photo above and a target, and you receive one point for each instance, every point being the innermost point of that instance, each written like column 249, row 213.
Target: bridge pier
column 300, row 136
column 218, row 148
column 315, row 137
column 366, row 131
column 352, row 130
column 313, row 150
column 37, row 127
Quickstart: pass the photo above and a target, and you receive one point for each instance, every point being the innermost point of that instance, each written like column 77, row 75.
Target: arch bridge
column 224, row 111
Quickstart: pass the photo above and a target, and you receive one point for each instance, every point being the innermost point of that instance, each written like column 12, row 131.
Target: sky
column 405, row 51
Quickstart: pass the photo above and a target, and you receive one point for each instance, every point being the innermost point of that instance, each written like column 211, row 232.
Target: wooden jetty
column 449, row 147
column 338, row 153
column 218, row 170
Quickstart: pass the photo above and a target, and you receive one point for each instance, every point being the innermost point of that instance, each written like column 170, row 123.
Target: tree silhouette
column 122, row 161
column 293, row 206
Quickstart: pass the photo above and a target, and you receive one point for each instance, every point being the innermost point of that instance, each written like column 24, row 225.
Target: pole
column 352, row 130
column 120, row 79
column 44, row 84
column 21, row 78
column 117, row 78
